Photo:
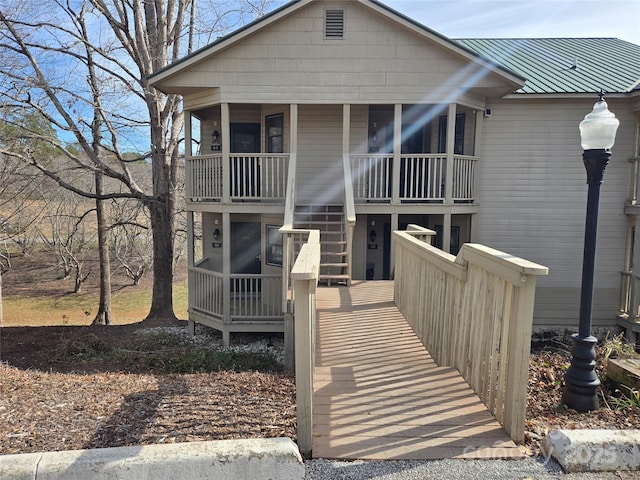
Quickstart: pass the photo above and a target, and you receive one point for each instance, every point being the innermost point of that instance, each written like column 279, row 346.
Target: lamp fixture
column 216, row 234
column 216, row 136
column 597, row 134
column 372, row 236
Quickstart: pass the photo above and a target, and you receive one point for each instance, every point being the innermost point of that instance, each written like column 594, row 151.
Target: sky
column 526, row 18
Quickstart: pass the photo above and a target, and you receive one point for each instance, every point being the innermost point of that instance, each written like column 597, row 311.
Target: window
column 274, row 246
column 458, row 144
column 274, row 131
column 334, row 24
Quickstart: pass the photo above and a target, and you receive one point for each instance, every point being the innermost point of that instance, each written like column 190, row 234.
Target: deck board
column 378, row 394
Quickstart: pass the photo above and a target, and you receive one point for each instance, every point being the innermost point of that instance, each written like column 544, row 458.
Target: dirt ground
column 49, row 402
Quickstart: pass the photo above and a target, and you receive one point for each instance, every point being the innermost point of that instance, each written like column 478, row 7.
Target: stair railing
column 350, row 211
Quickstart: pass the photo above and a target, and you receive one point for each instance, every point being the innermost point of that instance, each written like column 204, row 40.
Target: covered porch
column 396, row 154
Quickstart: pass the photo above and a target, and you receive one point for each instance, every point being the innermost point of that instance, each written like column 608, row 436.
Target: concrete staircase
column 330, row 220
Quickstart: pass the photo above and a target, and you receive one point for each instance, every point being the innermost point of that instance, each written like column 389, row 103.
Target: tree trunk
column 161, row 210
column 162, row 297
column 103, row 317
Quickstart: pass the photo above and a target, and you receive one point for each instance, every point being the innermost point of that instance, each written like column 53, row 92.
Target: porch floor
column 379, row 395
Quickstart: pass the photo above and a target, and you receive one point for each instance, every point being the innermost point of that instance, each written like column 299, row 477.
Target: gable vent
column 334, row 24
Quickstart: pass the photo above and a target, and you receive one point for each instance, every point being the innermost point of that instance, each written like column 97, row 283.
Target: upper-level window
column 334, row 23
column 274, row 126
column 458, row 143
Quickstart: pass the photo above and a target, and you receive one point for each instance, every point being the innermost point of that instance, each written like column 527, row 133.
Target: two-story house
column 351, row 118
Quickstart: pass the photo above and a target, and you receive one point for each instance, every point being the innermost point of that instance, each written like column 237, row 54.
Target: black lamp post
column 597, row 132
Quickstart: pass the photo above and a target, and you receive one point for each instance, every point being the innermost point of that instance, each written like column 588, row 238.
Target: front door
column 245, row 137
column 245, row 170
column 245, row 248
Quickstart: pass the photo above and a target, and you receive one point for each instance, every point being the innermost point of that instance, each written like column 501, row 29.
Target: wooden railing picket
column 473, row 312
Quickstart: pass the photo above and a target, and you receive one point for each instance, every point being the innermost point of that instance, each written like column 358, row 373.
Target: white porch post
column 346, row 128
column 187, row 133
column 477, row 149
column 226, row 149
column 395, row 225
column 293, row 128
column 448, row 181
column 451, row 141
column 191, row 327
column 397, row 150
column 226, row 274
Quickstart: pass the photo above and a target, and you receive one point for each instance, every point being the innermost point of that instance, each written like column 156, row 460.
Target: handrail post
column 518, row 351
column 305, row 280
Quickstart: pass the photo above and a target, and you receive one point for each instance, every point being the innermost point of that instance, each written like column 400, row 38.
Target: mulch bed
column 54, row 405
column 49, row 404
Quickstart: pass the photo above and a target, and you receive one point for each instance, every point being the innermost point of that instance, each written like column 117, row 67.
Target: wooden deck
column 379, row 395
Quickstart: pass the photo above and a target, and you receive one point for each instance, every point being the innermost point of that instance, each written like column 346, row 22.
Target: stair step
column 334, row 242
column 329, row 265
column 334, row 277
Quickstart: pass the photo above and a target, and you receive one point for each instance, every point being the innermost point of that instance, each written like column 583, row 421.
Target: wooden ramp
column 379, row 395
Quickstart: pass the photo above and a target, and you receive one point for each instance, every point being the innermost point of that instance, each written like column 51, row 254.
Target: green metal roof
column 564, row 65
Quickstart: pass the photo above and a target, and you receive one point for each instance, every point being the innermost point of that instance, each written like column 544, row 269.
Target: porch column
column 346, row 128
column 226, row 273
column 448, row 180
column 188, row 180
column 397, row 150
column 446, row 232
column 226, row 148
column 395, row 225
column 633, row 254
column 293, row 128
column 451, row 141
column 191, row 326
column 477, row 143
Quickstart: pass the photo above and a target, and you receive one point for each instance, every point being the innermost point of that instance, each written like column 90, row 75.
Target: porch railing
column 473, row 312
column 205, row 291
column 258, row 176
column 251, row 177
column 203, row 178
column 630, row 296
column 371, row 177
column 421, row 178
column 252, row 297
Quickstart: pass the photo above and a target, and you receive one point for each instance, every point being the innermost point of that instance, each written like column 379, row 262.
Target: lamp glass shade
column 598, row 129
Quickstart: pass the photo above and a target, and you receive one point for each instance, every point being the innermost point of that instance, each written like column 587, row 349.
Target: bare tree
column 131, row 239
column 69, row 237
column 83, row 66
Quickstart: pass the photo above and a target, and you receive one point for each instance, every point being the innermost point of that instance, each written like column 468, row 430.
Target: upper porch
column 398, row 155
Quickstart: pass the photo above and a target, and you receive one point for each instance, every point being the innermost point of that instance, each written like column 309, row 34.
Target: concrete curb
column 594, row 450
column 259, row 459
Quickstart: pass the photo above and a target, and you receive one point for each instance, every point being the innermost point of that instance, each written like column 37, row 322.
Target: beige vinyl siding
column 358, row 129
column 244, row 113
column 532, row 194
column 378, row 61
column 320, row 178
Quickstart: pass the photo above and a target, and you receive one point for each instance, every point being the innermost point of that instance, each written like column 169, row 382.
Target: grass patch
column 127, row 306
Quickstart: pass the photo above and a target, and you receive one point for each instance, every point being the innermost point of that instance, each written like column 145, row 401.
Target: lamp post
column 597, row 132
